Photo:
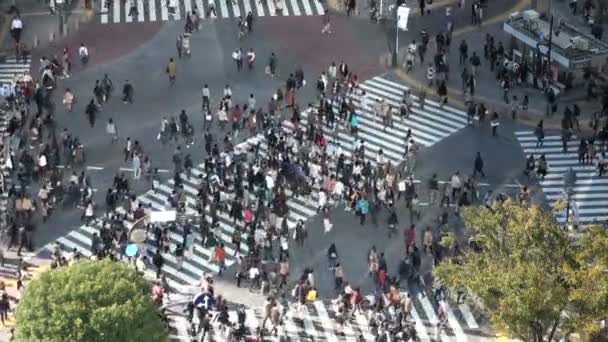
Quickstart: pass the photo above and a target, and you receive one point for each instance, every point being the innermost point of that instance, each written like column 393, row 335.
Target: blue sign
column 204, row 301
column 131, row 250
column 541, row 37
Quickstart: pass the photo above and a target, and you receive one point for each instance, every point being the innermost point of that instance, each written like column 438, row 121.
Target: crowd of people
column 292, row 152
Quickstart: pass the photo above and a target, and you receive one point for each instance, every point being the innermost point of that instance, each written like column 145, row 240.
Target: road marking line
column 224, row 9
column 200, row 8
column 187, row 8
column 260, row 7
column 307, row 8
column 247, row 7
column 152, row 10
column 128, row 18
column 235, row 8
column 116, row 15
column 468, row 316
column 140, row 11
column 164, row 11
column 295, row 8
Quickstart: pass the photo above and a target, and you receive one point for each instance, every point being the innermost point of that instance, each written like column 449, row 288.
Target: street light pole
column 550, row 45
column 396, row 55
column 568, row 198
column 569, row 180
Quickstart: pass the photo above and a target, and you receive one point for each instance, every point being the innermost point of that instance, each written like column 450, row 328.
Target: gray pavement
column 297, row 41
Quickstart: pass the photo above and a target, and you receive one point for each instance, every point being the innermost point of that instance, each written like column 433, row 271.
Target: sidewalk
column 8, row 276
column 40, row 28
column 488, row 89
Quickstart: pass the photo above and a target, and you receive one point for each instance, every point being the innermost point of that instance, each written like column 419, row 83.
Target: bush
column 89, row 301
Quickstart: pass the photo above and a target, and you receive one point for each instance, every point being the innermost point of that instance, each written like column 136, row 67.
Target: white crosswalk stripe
column 201, row 258
column 317, row 321
column 590, row 196
column 429, row 125
column 11, row 66
column 147, row 9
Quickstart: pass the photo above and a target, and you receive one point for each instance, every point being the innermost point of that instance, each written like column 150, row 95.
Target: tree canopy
column 89, row 301
column 533, row 278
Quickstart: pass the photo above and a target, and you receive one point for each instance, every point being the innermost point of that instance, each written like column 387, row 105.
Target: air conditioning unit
column 580, row 43
column 531, row 15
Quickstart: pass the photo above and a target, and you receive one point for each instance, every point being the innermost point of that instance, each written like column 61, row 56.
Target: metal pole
column 550, row 46
column 60, row 16
column 568, row 209
column 396, row 58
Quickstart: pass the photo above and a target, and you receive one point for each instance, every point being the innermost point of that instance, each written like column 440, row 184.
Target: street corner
column 105, row 42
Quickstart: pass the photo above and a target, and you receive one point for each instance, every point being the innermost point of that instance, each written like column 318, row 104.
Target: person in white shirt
column 364, row 100
column 251, row 102
column 136, row 166
column 227, row 91
column 171, row 5
column 332, row 70
column 456, row 184
column 111, row 130
column 206, row 97
column 83, row 53
column 411, row 55
column 16, row 28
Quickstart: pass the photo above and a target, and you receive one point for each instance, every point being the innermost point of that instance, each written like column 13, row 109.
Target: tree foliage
column 533, row 278
column 89, row 301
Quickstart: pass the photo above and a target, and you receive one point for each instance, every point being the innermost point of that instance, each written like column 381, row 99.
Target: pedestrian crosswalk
column 316, row 321
column 429, row 124
column 589, row 201
column 200, row 259
column 11, row 67
column 164, row 10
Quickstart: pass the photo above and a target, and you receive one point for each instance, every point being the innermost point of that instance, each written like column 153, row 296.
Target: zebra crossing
column 429, row 125
column 160, row 10
column 11, row 67
column 590, row 198
column 317, row 321
column 200, row 260
column 5, row 168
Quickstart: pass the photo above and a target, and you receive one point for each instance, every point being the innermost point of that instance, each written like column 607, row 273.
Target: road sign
column 403, row 13
column 204, row 301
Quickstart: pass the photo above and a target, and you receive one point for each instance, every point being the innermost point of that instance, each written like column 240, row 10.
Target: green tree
column 533, row 278
column 89, row 301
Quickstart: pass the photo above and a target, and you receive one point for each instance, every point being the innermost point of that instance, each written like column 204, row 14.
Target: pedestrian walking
column 237, row 57
column 206, row 93
column 494, row 124
column 171, row 71
column 127, row 92
column 136, row 164
column 91, row 112
column 442, row 91
column 112, row 131
column 83, row 53
column 326, row 28
column 478, row 166
column 539, row 131
column 68, row 99
column 16, row 29
column 250, row 59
